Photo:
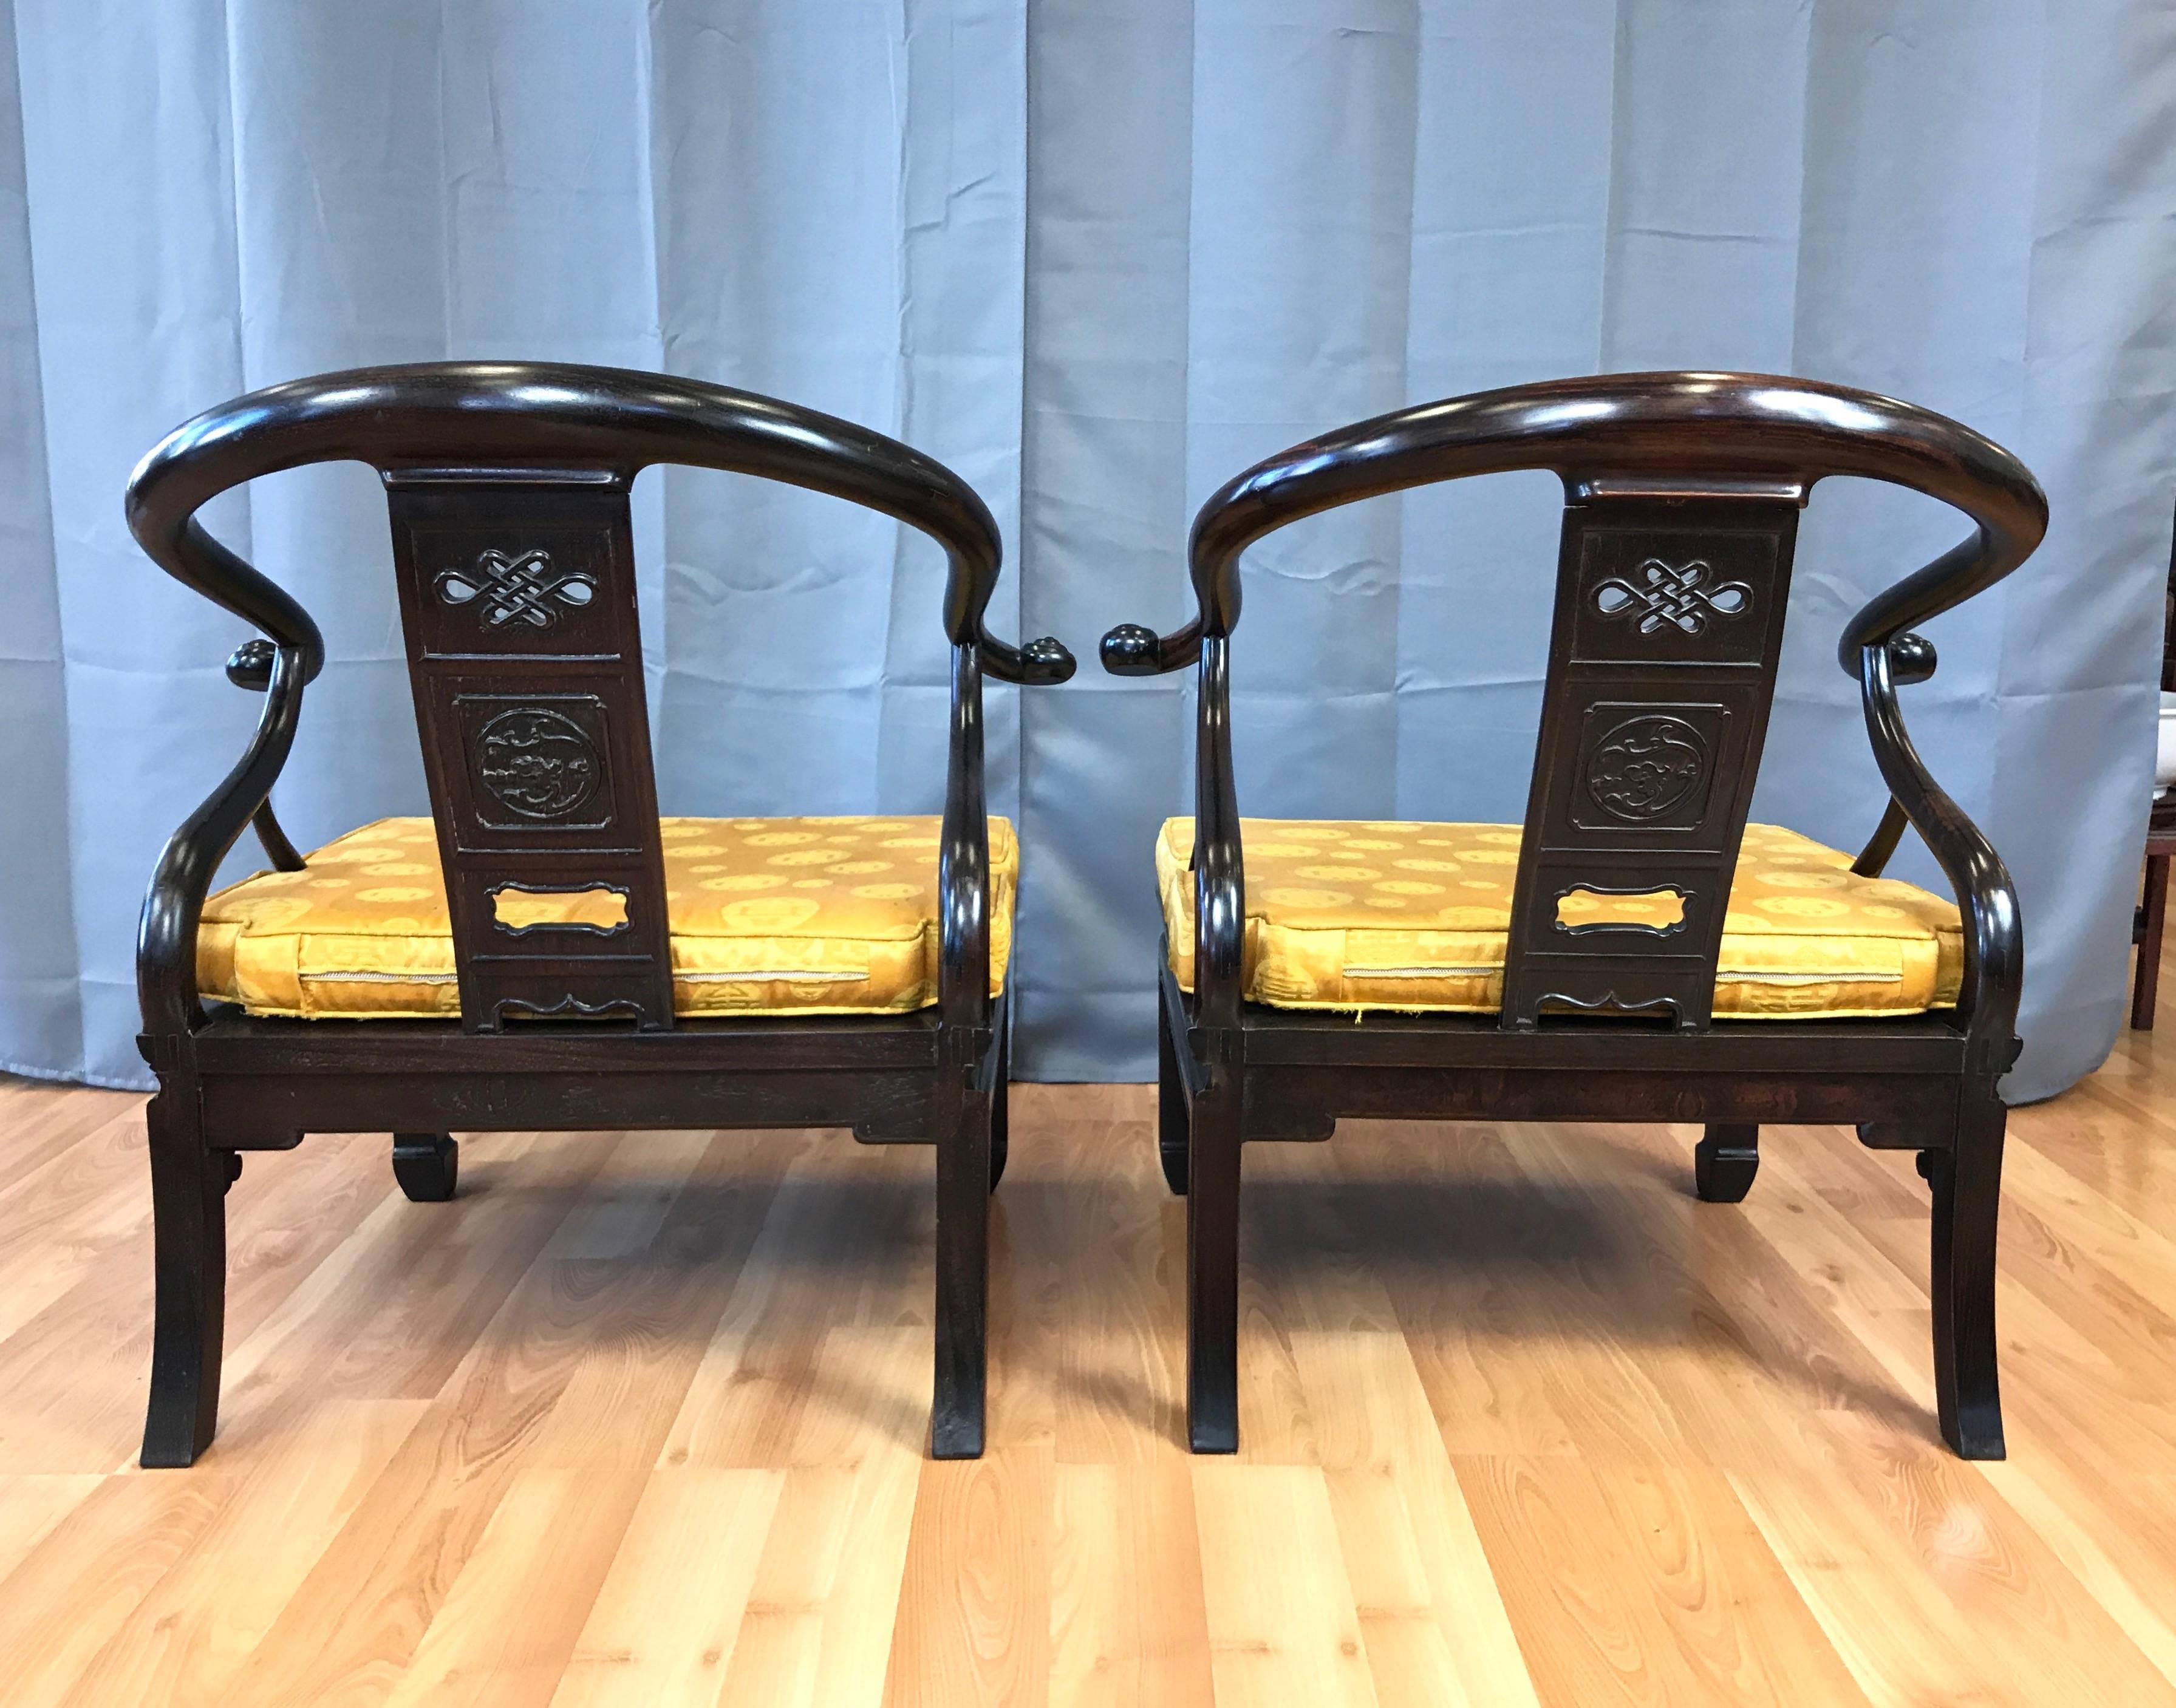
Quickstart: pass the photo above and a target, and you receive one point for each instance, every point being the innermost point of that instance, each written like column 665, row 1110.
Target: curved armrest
column 1912, row 660
column 550, row 415
column 1218, row 862
column 167, row 934
column 963, row 858
column 1879, row 648
column 250, row 667
column 963, row 866
column 1750, row 430
column 1994, row 934
column 1220, row 878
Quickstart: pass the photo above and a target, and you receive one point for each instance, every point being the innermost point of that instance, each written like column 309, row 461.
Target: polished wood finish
column 2150, row 922
column 638, row 1419
column 2151, row 925
column 507, row 485
column 2149, row 930
column 1681, row 491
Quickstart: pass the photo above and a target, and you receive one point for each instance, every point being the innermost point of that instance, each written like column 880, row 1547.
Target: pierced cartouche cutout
column 1582, row 909
column 517, row 587
column 599, row 908
column 1682, row 596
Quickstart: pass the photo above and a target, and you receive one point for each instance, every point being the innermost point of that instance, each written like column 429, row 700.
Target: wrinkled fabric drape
column 1097, row 255
column 820, row 202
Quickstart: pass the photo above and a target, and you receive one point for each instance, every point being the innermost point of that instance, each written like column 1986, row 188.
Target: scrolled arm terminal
column 1132, row 650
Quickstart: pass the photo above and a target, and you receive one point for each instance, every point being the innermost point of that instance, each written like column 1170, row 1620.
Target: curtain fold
column 1097, row 255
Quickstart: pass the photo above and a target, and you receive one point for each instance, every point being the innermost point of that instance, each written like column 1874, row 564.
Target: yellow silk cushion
column 767, row 917
column 1415, row 917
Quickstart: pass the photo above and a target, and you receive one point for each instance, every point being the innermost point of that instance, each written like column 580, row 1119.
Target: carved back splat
column 1669, row 621
column 517, row 593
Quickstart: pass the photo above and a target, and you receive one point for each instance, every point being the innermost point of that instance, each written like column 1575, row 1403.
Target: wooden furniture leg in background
column 2146, row 931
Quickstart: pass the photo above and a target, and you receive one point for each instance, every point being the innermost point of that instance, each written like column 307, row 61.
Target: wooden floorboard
column 638, row 1419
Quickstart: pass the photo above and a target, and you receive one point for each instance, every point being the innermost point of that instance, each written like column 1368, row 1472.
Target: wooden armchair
column 562, row 959
column 1636, row 952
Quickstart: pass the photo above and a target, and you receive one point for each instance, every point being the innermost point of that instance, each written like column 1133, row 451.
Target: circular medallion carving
column 1646, row 767
column 538, row 764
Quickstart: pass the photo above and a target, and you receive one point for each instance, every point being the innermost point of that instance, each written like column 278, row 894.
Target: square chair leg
column 963, row 1275
column 1724, row 1163
column 2153, row 924
column 1212, row 1271
column 188, row 1219
column 1967, row 1183
column 427, row 1165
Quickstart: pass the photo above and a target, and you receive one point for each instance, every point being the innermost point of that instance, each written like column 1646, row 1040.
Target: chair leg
column 1171, row 1105
column 1001, row 1101
column 426, row 1165
column 188, row 1221
column 1967, row 1183
column 963, row 1276
column 2152, row 921
column 1212, row 1271
column 1724, row 1163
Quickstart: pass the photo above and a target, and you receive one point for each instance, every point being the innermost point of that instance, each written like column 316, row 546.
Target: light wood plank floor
column 639, row 1419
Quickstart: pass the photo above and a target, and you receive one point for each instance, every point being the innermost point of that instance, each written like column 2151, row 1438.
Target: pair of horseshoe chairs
column 545, row 952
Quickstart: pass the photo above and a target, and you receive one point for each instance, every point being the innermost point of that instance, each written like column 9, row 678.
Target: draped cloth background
column 1097, row 255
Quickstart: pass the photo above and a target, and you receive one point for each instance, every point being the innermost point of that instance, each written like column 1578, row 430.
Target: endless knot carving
column 538, row 764
column 521, row 589
column 1672, row 596
column 1646, row 767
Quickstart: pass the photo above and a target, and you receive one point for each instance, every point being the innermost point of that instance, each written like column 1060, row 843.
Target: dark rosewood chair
column 1598, row 965
column 560, row 960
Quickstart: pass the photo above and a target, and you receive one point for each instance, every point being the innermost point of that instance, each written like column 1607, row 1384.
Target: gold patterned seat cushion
column 1415, row 917
column 767, row 917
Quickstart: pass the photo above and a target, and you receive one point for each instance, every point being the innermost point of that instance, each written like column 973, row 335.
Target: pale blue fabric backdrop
column 1096, row 255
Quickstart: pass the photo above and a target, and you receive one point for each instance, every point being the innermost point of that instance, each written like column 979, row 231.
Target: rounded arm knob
column 1046, row 662
column 1131, row 649
column 251, row 664
column 1910, row 659
column 1039, row 663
